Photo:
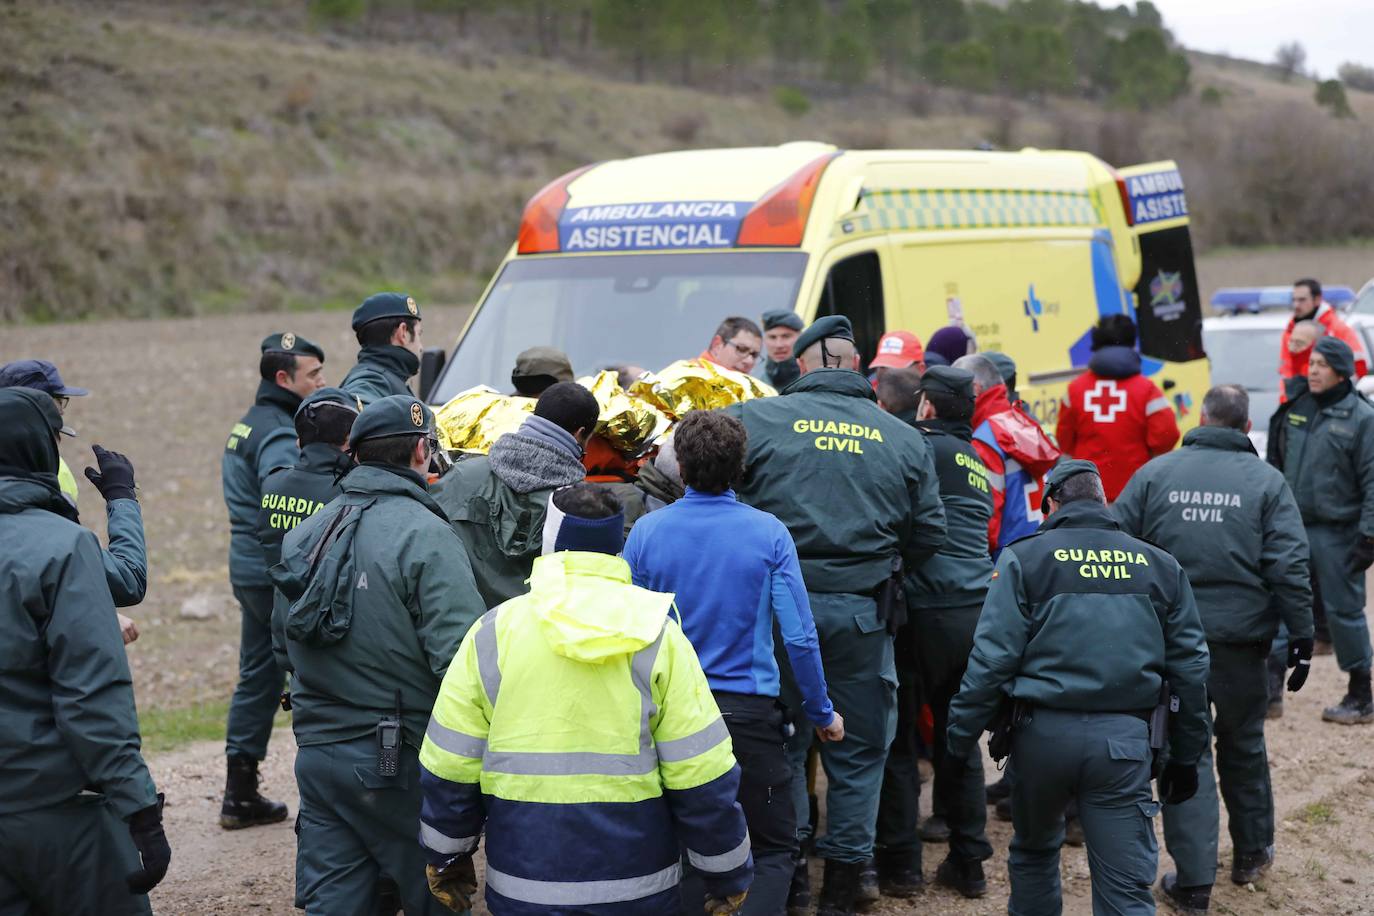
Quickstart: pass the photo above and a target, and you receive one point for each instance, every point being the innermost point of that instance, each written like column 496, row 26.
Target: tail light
column 1125, row 196
column 779, row 218
column 539, row 225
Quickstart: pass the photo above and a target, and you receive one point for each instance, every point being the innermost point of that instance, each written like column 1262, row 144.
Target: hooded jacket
column 67, row 717
column 381, row 372
column 497, row 503
column 1017, row 455
column 578, row 714
column 1115, row 417
column 380, row 596
column 1231, row 521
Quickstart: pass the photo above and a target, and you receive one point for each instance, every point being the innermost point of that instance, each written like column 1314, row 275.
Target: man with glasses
column 736, row 345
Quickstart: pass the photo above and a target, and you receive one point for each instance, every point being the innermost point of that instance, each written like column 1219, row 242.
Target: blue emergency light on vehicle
column 1232, row 300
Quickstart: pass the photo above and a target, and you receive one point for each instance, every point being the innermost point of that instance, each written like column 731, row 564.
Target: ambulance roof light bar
column 778, row 219
column 539, row 224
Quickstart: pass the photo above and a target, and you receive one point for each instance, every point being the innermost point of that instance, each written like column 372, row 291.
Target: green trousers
column 69, row 859
column 1102, row 760
column 1342, row 593
column 1237, row 689
column 258, row 693
column 356, row 826
column 857, row 655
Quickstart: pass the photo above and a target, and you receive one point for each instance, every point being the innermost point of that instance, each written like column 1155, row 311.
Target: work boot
column 243, row 806
column 799, row 894
column 1276, row 672
column 1357, row 707
column 964, row 876
column 899, row 876
column 1186, row 901
column 1250, row 866
column 998, row 790
column 935, row 829
column 868, row 883
column 840, row 888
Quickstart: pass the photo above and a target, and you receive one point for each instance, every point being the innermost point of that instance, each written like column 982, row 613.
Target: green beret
column 1006, row 367
column 1338, row 355
column 782, row 318
column 334, row 396
column 397, row 415
column 287, row 342
column 947, row 379
column 827, row 328
column 1062, row 472
column 543, row 361
column 385, row 305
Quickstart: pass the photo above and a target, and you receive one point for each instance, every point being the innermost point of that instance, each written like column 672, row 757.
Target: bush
column 1211, row 97
column 1330, row 95
column 792, row 100
column 683, row 128
column 337, row 10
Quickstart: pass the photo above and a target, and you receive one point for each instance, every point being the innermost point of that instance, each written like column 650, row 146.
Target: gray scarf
column 538, row 456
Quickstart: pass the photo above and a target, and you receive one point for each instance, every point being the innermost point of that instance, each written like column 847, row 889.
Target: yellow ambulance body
column 636, row 261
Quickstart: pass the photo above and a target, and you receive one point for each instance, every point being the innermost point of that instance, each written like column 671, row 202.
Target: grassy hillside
column 207, row 157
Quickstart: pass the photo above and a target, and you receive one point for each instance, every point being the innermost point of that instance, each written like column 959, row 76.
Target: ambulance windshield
column 644, row 309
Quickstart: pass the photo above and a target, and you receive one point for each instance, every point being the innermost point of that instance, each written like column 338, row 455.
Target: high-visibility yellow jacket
column 577, row 725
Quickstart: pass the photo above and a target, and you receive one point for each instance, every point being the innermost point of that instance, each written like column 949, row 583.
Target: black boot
column 1251, row 866
column 1357, row 707
column 799, row 894
column 965, row 876
column 868, row 884
column 1186, row 901
column 840, row 890
column 1276, row 672
column 243, row 806
column 900, row 876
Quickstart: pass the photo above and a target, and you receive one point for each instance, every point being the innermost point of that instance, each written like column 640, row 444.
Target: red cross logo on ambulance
column 1105, row 401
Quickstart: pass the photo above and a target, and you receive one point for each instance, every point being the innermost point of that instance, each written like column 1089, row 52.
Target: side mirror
column 432, row 363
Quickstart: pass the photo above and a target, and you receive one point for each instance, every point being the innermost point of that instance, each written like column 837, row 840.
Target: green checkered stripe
column 885, row 210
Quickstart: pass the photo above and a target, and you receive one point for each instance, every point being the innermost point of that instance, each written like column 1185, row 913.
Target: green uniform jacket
column 263, row 441
column 958, row 575
column 67, row 717
column 381, row 372
column 855, row 486
column 1231, row 521
column 1081, row 616
column 126, row 562
column 411, row 597
column 1324, row 444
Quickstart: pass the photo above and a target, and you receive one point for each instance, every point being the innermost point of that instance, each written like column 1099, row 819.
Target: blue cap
column 827, row 328
column 1338, row 355
column 573, row 532
column 40, row 375
column 397, row 415
column 782, row 318
column 385, row 305
column 1062, row 472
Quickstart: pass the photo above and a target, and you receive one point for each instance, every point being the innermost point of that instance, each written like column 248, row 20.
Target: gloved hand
column 145, row 827
column 1362, row 556
column 715, row 906
column 115, row 479
column 1300, row 660
column 1177, row 783
column 455, row 884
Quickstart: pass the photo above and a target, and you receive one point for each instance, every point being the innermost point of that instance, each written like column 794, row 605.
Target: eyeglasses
column 746, row 352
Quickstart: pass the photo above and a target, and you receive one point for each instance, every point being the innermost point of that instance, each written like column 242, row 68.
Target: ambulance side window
column 854, row 288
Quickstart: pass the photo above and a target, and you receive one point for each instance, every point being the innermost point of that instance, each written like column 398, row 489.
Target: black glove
column 115, row 479
column 1300, row 660
column 146, row 828
column 455, row 884
column 1177, row 783
column 1362, row 557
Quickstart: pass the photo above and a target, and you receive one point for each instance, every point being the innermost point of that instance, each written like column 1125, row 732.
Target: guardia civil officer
column 858, row 491
column 291, row 495
column 261, row 442
column 381, row 595
column 1231, row 521
column 78, row 810
column 1323, row 441
column 1082, row 625
column 388, row 329
column 945, row 596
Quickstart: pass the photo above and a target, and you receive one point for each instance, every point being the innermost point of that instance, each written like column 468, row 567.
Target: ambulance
column 636, row 261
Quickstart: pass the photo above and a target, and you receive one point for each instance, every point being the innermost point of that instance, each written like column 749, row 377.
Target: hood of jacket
column 587, row 609
column 837, row 381
column 1114, row 362
column 1082, row 514
column 526, row 464
column 20, row 493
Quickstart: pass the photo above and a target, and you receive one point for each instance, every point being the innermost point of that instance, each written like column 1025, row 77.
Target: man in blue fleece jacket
column 735, row 572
